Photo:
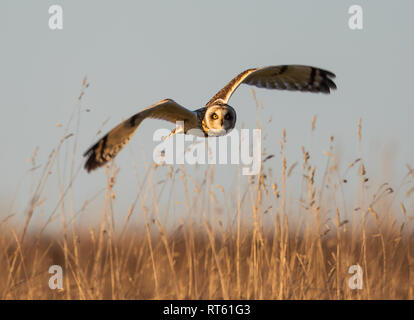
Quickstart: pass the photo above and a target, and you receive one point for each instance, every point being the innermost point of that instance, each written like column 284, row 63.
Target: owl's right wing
column 284, row 77
column 109, row 146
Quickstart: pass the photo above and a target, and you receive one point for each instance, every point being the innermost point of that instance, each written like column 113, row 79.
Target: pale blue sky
column 138, row 52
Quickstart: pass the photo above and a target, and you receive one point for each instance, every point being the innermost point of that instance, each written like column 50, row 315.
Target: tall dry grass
column 249, row 242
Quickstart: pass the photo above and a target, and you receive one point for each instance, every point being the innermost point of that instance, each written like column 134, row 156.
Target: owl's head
column 219, row 119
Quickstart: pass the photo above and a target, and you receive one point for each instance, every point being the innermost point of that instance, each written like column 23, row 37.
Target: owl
column 217, row 117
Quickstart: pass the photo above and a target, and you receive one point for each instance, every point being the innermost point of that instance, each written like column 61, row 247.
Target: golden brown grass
column 256, row 242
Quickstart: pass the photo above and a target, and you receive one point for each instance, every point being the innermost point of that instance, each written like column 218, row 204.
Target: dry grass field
column 255, row 243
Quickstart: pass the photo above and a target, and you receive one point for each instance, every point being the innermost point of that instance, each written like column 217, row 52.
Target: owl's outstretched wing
column 108, row 146
column 287, row 77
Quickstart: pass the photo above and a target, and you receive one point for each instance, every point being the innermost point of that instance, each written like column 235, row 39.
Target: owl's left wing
column 286, row 77
column 109, row 145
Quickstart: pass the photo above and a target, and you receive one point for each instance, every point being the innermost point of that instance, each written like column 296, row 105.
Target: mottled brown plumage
column 285, row 77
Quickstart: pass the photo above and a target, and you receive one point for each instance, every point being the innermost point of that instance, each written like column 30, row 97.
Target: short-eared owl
column 216, row 118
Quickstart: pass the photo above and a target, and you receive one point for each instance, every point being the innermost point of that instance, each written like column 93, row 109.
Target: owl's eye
column 227, row 116
column 214, row 116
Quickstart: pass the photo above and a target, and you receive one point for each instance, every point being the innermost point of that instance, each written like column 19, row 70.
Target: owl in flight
column 217, row 118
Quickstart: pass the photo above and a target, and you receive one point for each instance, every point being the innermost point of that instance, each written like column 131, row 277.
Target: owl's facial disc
column 220, row 119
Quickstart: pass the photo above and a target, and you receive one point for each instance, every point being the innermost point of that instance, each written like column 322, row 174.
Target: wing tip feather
column 93, row 163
